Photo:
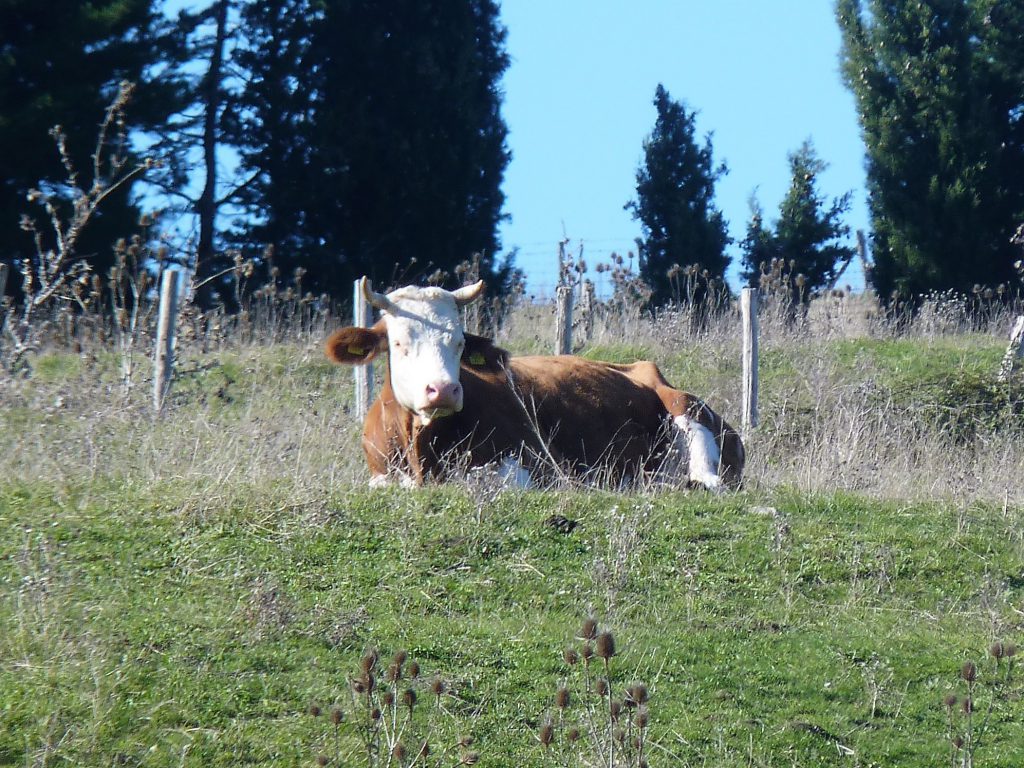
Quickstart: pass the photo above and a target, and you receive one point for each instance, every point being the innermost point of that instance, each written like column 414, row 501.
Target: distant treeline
column 319, row 141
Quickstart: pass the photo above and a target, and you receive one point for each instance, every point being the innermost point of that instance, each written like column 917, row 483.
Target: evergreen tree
column 62, row 63
column 758, row 246
column 939, row 86
column 374, row 134
column 807, row 234
column 675, row 190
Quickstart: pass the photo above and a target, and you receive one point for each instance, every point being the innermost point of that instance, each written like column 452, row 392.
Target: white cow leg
column 514, row 475
column 704, row 456
column 383, row 481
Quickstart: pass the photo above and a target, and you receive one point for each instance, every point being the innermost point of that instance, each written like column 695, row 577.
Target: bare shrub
column 57, row 274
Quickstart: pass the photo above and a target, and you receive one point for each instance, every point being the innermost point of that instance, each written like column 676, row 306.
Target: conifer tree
column 939, row 87
column 675, row 189
column 62, row 64
column 374, row 136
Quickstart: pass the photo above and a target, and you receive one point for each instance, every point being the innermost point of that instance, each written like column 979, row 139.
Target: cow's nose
column 444, row 394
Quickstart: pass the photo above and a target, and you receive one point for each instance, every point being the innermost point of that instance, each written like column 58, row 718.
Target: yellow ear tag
column 354, row 350
column 477, row 359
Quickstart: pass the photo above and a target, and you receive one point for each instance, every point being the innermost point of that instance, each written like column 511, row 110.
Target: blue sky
column 578, row 102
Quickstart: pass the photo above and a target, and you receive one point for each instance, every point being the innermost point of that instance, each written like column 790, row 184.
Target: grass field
column 181, row 590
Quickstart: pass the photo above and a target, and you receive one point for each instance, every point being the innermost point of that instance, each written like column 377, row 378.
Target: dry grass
column 256, row 404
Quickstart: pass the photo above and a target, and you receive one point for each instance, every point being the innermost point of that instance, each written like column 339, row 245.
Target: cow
column 452, row 400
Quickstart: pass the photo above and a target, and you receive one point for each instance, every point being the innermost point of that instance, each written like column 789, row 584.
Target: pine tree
column 62, row 64
column 675, row 190
column 758, row 246
column 939, row 86
column 806, row 237
column 374, row 134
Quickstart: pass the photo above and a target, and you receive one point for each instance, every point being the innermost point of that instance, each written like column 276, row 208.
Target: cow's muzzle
column 441, row 399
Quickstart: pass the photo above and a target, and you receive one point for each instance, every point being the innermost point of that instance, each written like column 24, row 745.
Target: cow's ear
column 481, row 353
column 356, row 346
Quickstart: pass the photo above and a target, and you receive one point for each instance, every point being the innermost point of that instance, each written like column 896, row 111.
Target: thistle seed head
column 605, row 645
column 337, row 715
column 589, row 629
column 969, row 671
column 314, row 710
column 409, row 698
column 636, row 694
column 438, row 687
column 368, row 663
column 562, row 697
column 547, row 733
column 570, row 656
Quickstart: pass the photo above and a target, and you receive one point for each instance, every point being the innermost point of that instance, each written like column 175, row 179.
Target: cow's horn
column 378, row 300
column 468, row 293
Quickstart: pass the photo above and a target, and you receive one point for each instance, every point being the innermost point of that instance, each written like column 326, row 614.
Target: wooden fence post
column 563, row 320
column 748, row 308
column 1014, row 350
column 163, row 358
column 588, row 306
column 362, row 317
column 3, row 280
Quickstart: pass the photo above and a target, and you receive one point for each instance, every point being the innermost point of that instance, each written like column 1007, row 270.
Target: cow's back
column 594, row 415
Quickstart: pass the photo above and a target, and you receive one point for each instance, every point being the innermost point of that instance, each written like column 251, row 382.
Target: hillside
column 180, row 590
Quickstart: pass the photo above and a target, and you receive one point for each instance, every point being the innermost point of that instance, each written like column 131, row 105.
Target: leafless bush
column 56, row 274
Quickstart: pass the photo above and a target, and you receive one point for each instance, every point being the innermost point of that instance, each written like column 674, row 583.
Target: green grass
column 177, row 591
column 138, row 627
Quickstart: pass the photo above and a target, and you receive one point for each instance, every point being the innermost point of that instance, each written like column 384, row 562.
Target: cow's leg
column 513, row 474
column 383, row 481
column 715, row 439
column 704, row 456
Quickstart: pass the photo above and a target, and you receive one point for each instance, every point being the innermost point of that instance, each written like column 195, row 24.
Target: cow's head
column 422, row 333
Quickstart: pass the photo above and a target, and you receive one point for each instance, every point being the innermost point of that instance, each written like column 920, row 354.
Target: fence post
column 862, row 254
column 748, row 308
column 362, row 317
column 1014, row 350
column 588, row 305
column 163, row 358
column 563, row 320
column 3, row 280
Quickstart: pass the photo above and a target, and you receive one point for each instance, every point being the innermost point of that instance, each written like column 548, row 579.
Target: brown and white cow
column 452, row 400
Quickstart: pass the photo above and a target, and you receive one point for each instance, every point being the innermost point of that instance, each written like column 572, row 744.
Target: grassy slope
column 180, row 596
column 143, row 630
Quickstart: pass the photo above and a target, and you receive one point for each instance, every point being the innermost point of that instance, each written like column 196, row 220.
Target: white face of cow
column 425, row 342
